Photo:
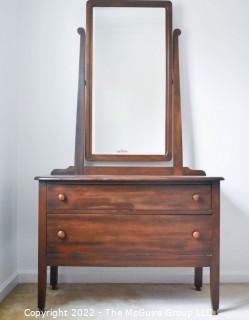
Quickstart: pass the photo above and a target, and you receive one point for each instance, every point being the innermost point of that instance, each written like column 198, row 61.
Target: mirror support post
column 177, row 120
column 79, row 157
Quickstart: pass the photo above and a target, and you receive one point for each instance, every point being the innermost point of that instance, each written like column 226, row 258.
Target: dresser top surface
column 127, row 178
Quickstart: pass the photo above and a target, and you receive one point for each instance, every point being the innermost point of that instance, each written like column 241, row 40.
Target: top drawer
column 128, row 197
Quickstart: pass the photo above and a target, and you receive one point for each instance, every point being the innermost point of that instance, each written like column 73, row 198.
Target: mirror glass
column 128, row 81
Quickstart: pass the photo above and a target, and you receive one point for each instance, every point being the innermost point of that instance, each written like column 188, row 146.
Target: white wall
column 47, row 96
column 8, row 143
column 215, row 90
column 215, row 86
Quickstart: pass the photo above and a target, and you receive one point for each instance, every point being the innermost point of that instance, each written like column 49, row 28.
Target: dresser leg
column 198, row 278
column 215, row 263
column 42, row 238
column 42, row 284
column 214, row 287
column 54, row 277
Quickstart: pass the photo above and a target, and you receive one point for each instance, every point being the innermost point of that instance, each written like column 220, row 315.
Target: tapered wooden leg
column 54, row 277
column 214, row 287
column 42, row 267
column 198, row 278
column 42, row 283
column 215, row 263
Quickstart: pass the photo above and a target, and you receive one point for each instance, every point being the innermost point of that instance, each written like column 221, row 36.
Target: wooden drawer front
column 128, row 197
column 94, row 238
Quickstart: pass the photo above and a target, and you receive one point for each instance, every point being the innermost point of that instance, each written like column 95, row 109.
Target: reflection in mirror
column 129, row 81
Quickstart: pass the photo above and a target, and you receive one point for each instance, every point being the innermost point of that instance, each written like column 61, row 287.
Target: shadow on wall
column 234, row 233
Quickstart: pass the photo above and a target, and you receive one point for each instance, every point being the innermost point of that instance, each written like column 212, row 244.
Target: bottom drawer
column 111, row 240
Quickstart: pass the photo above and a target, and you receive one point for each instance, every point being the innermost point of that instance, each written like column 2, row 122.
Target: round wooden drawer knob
column 61, row 197
column 61, row 234
column 196, row 234
column 196, row 196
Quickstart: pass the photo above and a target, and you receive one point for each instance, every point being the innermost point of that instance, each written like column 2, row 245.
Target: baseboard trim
column 8, row 285
column 132, row 275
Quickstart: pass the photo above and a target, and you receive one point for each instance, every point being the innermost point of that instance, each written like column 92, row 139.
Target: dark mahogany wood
column 54, row 277
column 129, row 197
column 102, row 226
column 134, row 179
column 79, row 157
column 215, row 264
column 134, row 236
column 118, row 170
column 177, row 123
column 123, row 216
column 198, row 278
column 42, row 242
column 139, row 261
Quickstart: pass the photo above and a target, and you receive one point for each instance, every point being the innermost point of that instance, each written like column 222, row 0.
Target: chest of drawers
column 101, row 212
column 116, row 221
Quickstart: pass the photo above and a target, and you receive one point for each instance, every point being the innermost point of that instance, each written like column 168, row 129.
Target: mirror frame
column 167, row 5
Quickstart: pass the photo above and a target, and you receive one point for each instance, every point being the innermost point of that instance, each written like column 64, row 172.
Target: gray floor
column 114, row 301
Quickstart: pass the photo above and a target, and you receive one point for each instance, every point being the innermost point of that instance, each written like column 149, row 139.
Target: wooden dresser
column 136, row 221
column 133, row 215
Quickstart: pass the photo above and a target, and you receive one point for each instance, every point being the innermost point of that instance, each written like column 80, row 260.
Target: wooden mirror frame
column 168, row 74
